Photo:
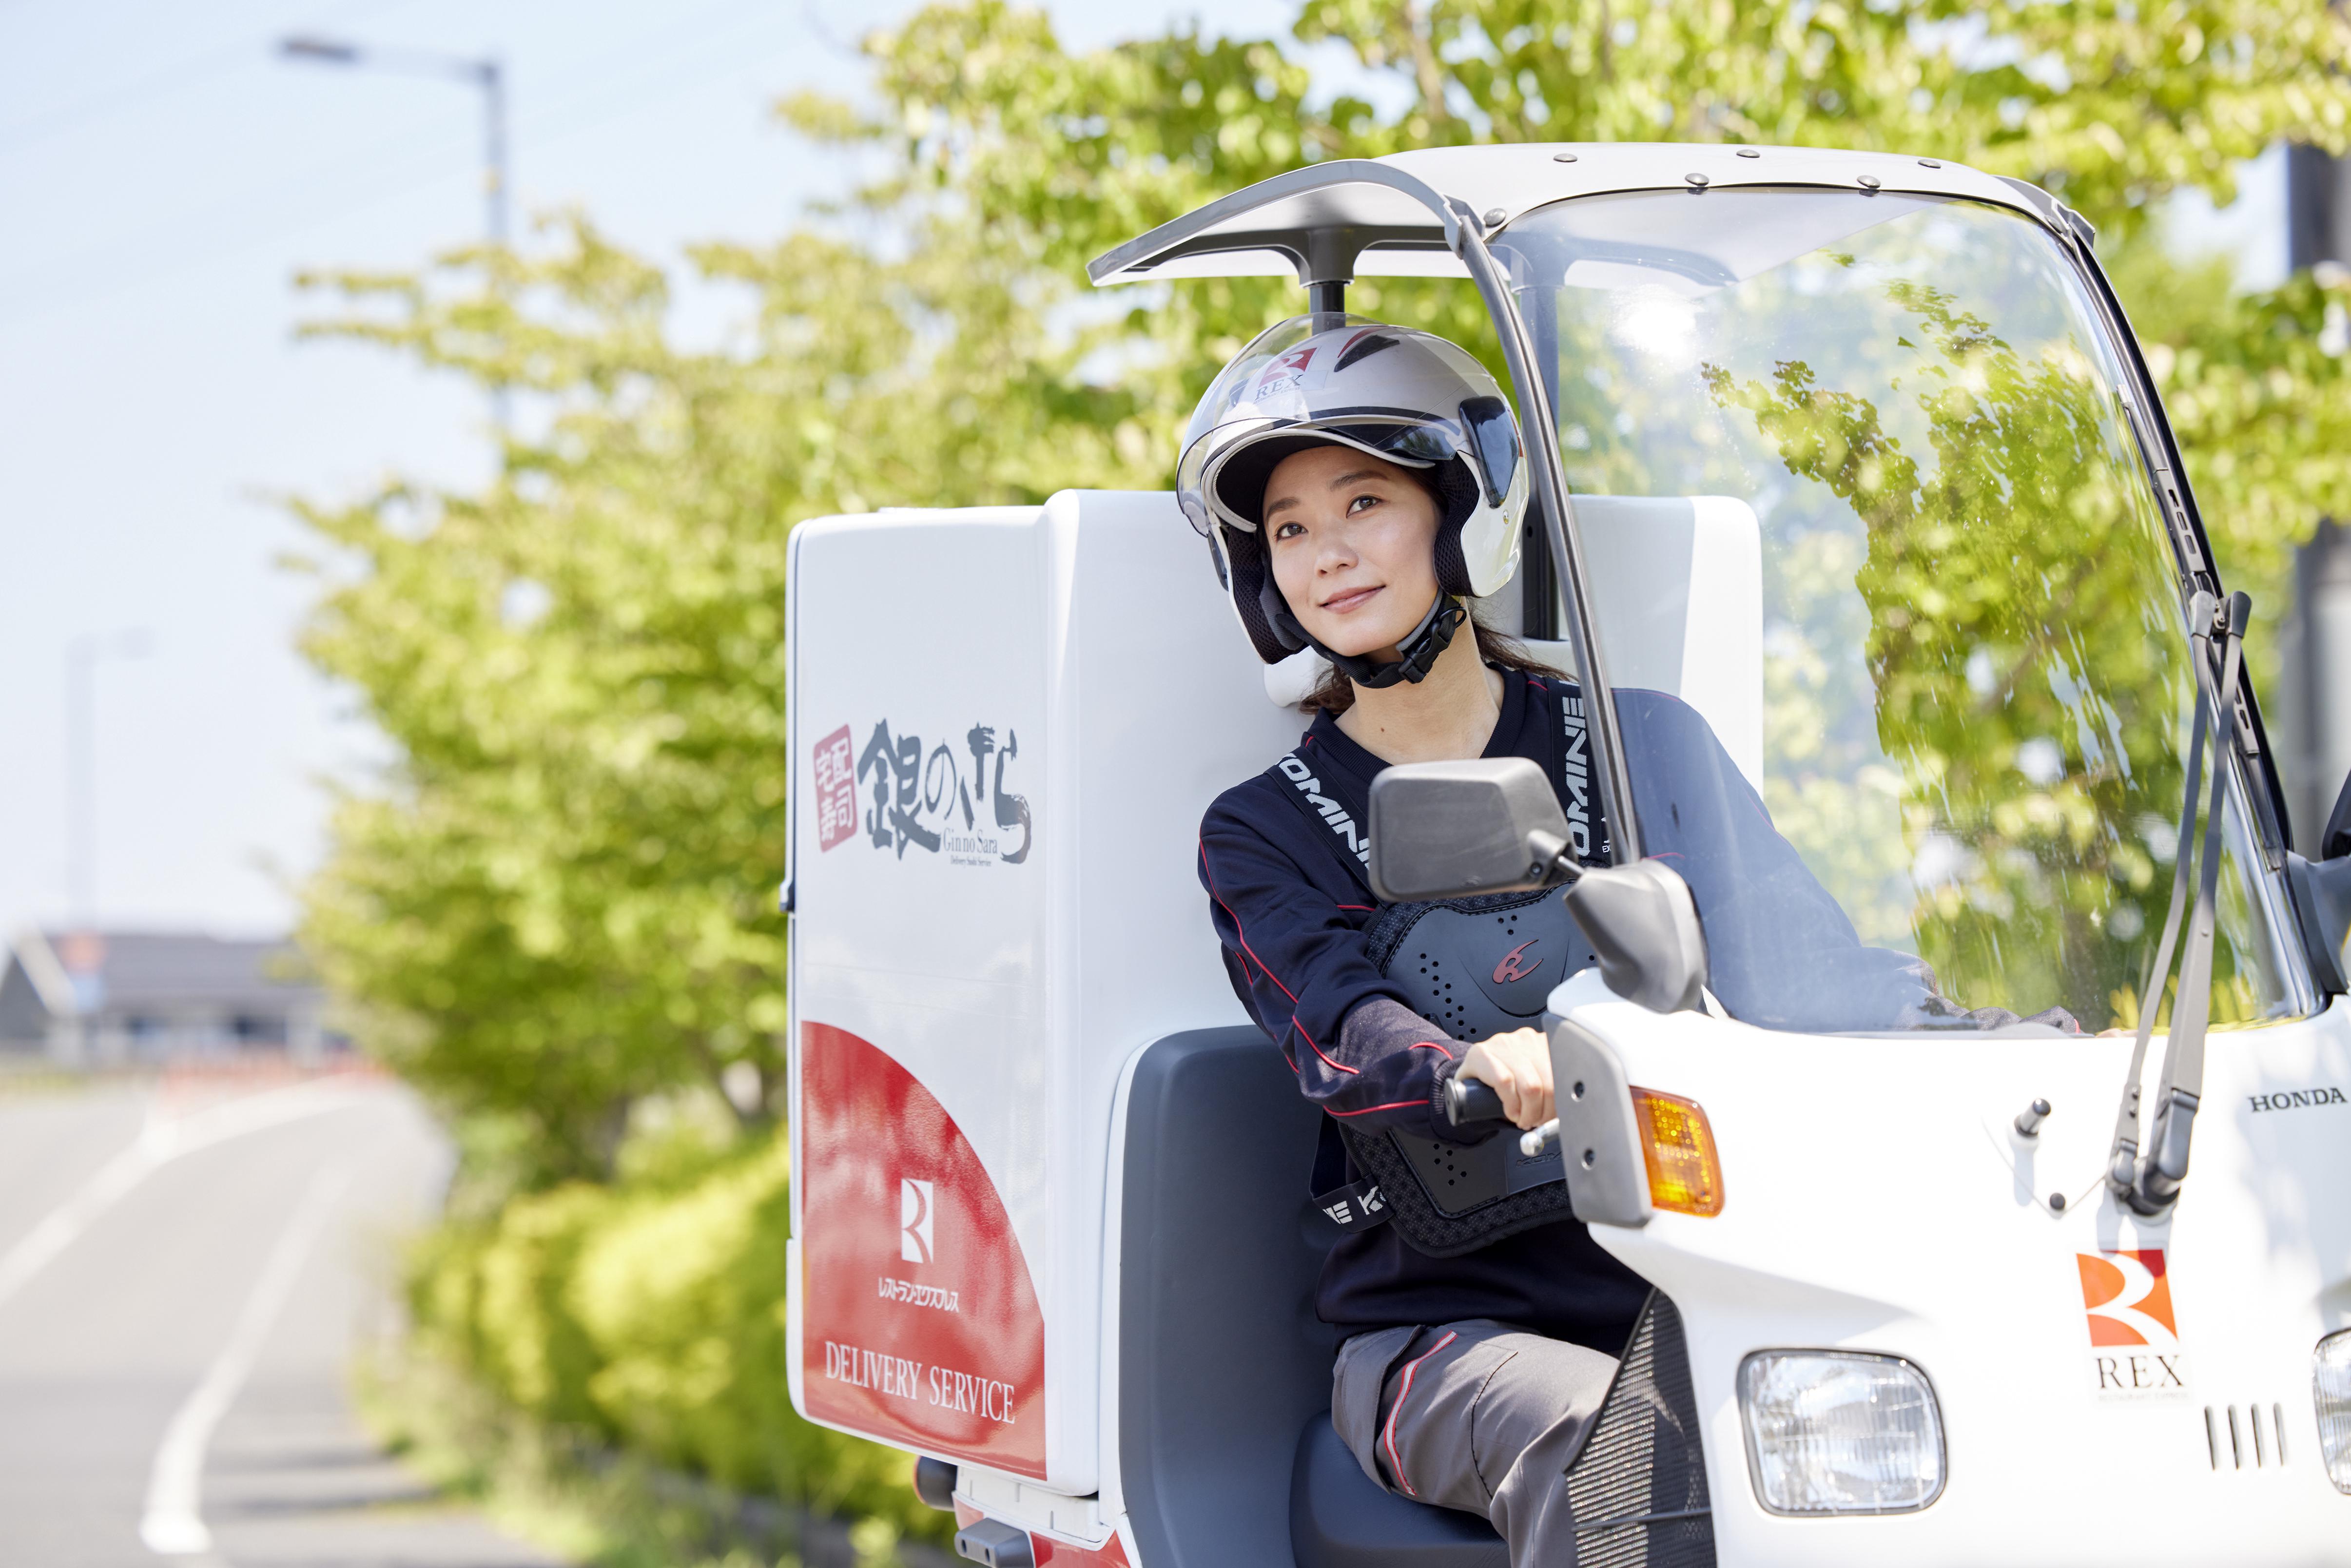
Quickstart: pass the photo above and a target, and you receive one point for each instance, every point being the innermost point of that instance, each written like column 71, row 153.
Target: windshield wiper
column 2150, row 1184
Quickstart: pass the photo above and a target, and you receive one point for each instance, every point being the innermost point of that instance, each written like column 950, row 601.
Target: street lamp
column 486, row 74
column 83, row 655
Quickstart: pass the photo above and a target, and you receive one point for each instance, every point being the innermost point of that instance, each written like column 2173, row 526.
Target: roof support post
column 1540, row 430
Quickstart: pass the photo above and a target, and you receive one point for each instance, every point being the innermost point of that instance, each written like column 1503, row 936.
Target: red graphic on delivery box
column 919, row 1321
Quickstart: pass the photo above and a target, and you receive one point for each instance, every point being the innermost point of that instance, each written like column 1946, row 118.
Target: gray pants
column 1475, row 1415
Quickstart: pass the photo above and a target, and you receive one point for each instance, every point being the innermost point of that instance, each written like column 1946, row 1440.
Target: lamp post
column 485, row 73
column 2314, row 721
column 83, row 655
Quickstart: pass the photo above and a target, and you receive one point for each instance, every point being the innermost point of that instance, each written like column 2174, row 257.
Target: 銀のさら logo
column 921, row 798
column 915, row 1214
column 2134, row 1332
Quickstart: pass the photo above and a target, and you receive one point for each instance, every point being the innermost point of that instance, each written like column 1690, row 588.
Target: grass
column 586, row 1503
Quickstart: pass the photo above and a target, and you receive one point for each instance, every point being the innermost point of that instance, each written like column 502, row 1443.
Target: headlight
column 2330, row 1382
column 1832, row 1432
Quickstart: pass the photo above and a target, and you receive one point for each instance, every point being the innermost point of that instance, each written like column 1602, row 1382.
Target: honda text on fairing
column 1984, row 1207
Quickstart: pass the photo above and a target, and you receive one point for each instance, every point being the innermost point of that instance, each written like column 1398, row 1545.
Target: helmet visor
column 1289, row 383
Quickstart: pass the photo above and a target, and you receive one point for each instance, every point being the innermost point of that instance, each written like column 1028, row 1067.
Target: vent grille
column 1639, row 1484
column 2245, row 1437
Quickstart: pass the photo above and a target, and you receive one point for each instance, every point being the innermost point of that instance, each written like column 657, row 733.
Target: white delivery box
column 1006, row 723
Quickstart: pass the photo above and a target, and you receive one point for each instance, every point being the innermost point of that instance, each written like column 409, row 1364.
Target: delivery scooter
column 2008, row 1230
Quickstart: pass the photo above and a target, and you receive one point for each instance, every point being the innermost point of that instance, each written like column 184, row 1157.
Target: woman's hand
column 1516, row 1066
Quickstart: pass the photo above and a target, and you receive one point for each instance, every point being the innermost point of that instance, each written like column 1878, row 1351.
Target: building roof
column 82, row 972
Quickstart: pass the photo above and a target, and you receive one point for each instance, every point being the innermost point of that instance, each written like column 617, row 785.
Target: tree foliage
column 559, row 899
column 2017, row 600
column 645, row 1312
column 562, row 897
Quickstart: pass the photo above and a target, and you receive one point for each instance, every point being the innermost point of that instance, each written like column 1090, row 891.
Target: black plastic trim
column 935, row 1483
column 2320, row 891
column 1324, row 254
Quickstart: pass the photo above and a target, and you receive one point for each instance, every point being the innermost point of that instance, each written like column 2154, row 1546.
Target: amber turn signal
column 1685, row 1171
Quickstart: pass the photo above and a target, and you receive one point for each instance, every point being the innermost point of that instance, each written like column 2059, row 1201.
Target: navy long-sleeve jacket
column 1290, row 896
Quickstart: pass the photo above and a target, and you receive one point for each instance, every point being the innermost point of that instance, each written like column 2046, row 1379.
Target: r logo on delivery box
column 2134, row 1337
column 939, row 1350
column 913, row 1220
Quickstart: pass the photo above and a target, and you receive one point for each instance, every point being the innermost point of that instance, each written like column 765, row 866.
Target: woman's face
column 1352, row 538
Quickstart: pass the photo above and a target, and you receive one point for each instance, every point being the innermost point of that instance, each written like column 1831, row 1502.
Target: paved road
column 182, row 1285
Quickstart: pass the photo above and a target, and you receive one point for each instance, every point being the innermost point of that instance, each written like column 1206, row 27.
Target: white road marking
column 172, row 1525
column 160, row 1143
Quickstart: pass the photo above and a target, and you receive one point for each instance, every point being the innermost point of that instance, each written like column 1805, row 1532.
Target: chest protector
column 1475, row 968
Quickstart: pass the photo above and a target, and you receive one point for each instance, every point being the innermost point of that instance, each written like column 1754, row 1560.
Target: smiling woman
column 1359, row 482
column 1353, row 542
column 1352, row 539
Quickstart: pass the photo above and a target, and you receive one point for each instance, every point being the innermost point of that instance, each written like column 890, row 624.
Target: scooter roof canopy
column 1396, row 216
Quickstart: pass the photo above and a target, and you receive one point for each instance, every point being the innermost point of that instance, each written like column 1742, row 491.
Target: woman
column 1357, row 483
column 1359, row 538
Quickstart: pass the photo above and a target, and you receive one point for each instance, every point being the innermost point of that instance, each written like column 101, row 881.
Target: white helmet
column 1405, row 395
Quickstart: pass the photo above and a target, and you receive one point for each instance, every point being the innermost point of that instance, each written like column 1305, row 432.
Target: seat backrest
column 1220, row 1359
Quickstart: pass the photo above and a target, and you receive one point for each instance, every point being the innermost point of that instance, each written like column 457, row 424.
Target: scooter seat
column 1339, row 1518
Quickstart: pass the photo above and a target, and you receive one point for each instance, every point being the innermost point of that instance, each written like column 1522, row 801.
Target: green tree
column 2111, row 106
column 2015, row 595
column 559, row 899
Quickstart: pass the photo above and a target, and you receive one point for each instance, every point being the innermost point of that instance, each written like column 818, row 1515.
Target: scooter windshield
column 1858, row 487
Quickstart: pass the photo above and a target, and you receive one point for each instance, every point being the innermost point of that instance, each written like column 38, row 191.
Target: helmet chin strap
column 1419, row 649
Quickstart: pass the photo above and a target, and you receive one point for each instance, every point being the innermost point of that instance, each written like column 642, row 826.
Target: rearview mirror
column 1452, row 830
column 1643, row 926
column 2321, row 890
column 1455, row 830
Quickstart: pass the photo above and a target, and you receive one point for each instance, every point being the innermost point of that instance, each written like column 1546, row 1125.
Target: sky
column 165, row 173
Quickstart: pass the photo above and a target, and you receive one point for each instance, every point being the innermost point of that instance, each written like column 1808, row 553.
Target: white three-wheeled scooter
column 1854, row 455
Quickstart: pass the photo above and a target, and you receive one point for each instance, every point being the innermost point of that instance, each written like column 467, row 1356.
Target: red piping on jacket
column 1209, row 871
column 1334, row 1066
column 1391, row 1106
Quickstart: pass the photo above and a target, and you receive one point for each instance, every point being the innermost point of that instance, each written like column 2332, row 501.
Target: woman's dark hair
column 1336, row 694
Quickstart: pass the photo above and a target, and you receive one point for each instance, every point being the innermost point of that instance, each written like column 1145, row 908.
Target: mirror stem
column 1557, row 856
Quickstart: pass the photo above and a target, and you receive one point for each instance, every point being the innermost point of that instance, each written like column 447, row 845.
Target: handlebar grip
column 1469, row 1102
